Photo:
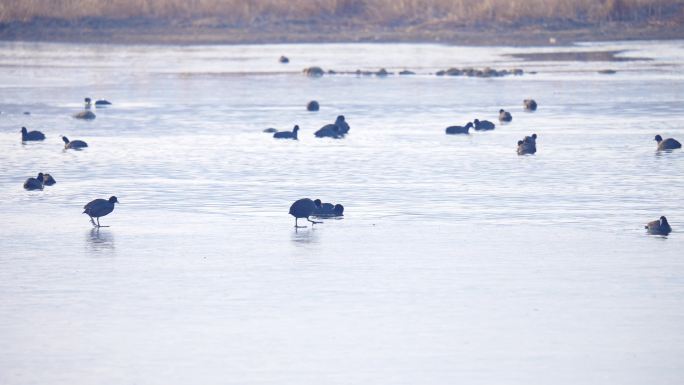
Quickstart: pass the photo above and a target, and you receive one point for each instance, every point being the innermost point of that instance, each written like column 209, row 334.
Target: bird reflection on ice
column 304, row 235
column 99, row 240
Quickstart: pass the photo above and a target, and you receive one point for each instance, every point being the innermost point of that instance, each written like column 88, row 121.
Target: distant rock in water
column 382, row 73
column 480, row 73
column 407, row 72
column 85, row 115
column 270, row 130
column 607, row 72
column 102, row 103
column 284, row 59
column 314, row 72
column 312, row 106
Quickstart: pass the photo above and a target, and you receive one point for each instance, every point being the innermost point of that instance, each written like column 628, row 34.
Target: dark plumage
column 458, row 129
column 505, row 116
column 73, row 144
column 328, row 209
column 27, row 136
column 667, row 144
column 99, row 208
column 284, row 59
column 102, row 103
column 659, row 227
column 342, row 124
column 530, row 104
column 287, row 134
column 329, row 131
column 270, row 130
column 528, row 145
column 303, row 208
column 48, row 180
column 312, row 106
column 483, row 125
column 34, row 183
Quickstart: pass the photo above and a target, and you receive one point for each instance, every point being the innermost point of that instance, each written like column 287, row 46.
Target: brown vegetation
column 384, row 11
column 373, row 16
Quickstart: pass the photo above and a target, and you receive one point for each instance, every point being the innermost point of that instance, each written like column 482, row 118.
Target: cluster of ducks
column 86, row 114
column 96, row 208
column 38, row 182
column 335, row 130
column 35, row 136
column 528, row 146
column 306, row 208
column 486, row 125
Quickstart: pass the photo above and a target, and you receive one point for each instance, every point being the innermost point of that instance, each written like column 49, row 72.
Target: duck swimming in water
column 528, row 145
column 483, row 125
column 667, row 144
column 505, row 116
column 530, row 104
column 327, row 209
column 451, row 130
column 27, row 136
column 48, row 180
column 99, row 208
column 73, row 144
column 287, row 134
column 87, row 114
column 329, row 131
column 34, row 183
column 659, row 227
column 342, row 124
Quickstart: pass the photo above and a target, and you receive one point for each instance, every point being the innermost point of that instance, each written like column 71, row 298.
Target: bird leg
column 298, row 227
column 312, row 222
column 93, row 222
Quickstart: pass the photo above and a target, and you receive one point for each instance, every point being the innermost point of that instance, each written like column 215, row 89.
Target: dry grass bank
column 380, row 11
column 298, row 20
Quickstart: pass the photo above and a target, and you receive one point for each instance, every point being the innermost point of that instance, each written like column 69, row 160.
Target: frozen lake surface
column 457, row 260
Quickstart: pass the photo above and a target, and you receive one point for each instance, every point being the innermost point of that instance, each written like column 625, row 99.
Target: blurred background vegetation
column 30, row 16
column 378, row 11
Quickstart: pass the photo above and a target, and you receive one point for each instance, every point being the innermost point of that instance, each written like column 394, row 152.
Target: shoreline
column 150, row 34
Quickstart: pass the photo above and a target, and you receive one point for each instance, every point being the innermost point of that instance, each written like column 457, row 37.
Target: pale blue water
column 457, row 260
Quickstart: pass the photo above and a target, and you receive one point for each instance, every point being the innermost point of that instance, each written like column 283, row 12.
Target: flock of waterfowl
column 96, row 208
column 306, row 208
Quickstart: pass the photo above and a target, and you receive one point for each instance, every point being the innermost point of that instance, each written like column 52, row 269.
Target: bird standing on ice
column 303, row 208
column 99, row 208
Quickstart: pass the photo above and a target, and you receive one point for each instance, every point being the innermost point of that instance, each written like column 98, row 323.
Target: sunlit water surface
column 457, row 261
